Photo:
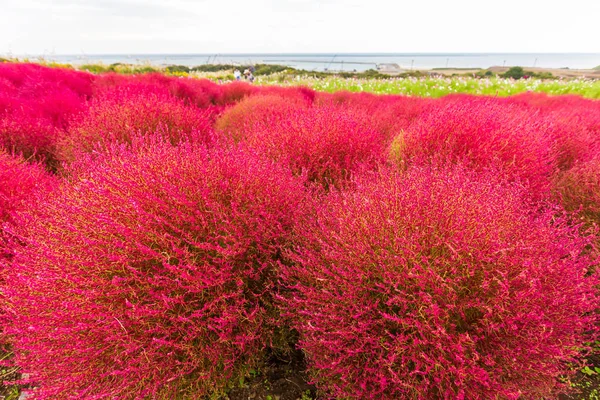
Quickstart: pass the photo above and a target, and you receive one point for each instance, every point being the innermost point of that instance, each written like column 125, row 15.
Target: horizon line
column 300, row 53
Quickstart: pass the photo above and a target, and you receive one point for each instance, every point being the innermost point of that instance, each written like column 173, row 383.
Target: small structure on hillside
column 390, row 68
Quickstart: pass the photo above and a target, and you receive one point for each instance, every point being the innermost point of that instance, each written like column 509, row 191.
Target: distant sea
column 351, row 61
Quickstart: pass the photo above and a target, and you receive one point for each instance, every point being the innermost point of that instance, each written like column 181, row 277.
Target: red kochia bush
column 578, row 189
column 327, row 142
column 21, row 183
column 439, row 283
column 36, row 104
column 199, row 92
column 236, row 91
column 390, row 115
column 150, row 275
column 574, row 124
column 118, row 114
column 258, row 110
column 483, row 132
column 294, row 93
column 30, row 137
column 33, row 79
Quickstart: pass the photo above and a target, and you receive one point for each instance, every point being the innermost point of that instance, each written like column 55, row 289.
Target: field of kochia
column 164, row 237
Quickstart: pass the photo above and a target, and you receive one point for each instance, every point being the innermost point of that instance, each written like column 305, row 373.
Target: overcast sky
column 58, row 27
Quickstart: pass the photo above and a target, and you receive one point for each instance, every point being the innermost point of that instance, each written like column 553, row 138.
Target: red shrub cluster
column 327, row 143
column 260, row 110
column 390, row 115
column 36, row 104
column 118, row 114
column 574, row 124
column 20, row 186
column 29, row 137
column 236, row 91
column 34, row 80
column 439, row 283
column 578, row 190
column 483, row 133
column 201, row 93
column 157, row 264
column 574, row 127
column 299, row 93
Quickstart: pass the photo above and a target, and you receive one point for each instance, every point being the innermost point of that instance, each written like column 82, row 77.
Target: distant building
column 390, row 68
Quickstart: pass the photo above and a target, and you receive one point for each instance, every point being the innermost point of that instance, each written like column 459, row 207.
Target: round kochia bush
column 439, row 283
column 327, row 143
column 482, row 132
column 578, row 190
column 120, row 113
column 150, row 275
column 259, row 110
column 21, row 183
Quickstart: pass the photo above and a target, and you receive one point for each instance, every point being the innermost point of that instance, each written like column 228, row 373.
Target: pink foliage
column 36, row 105
column 326, row 142
column 31, row 138
column 118, row 114
column 198, row 92
column 439, row 283
column 186, row 222
column 258, row 110
column 578, row 190
column 297, row 93
column 21, row 184
column 236, row 91
column 390, row 115
column 154, row 273
column 483, row 132
column 33, row 80
column 574, row 124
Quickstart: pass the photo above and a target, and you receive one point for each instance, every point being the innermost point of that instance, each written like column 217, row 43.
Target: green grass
column 437, row 87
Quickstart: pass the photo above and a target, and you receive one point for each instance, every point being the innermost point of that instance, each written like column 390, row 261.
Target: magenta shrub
column 33, row 79
column 118, row 114
column 296, row 93
column 236, row 91
column 440, row 282
column 21, row 185
column 578, row 190
column 574, row 124
column 482, row 132
column 258, row 110
column 412, row 248
column 146, row 84
column 390, row 115
column 36, row 105
column 199, row 92
column 327, row 143
column 151, row 274
column 31, row 138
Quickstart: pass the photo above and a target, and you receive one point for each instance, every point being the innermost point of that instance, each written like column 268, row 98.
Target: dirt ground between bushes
column 283, row 378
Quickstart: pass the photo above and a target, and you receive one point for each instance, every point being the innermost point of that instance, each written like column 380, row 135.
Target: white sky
column 48, row 27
